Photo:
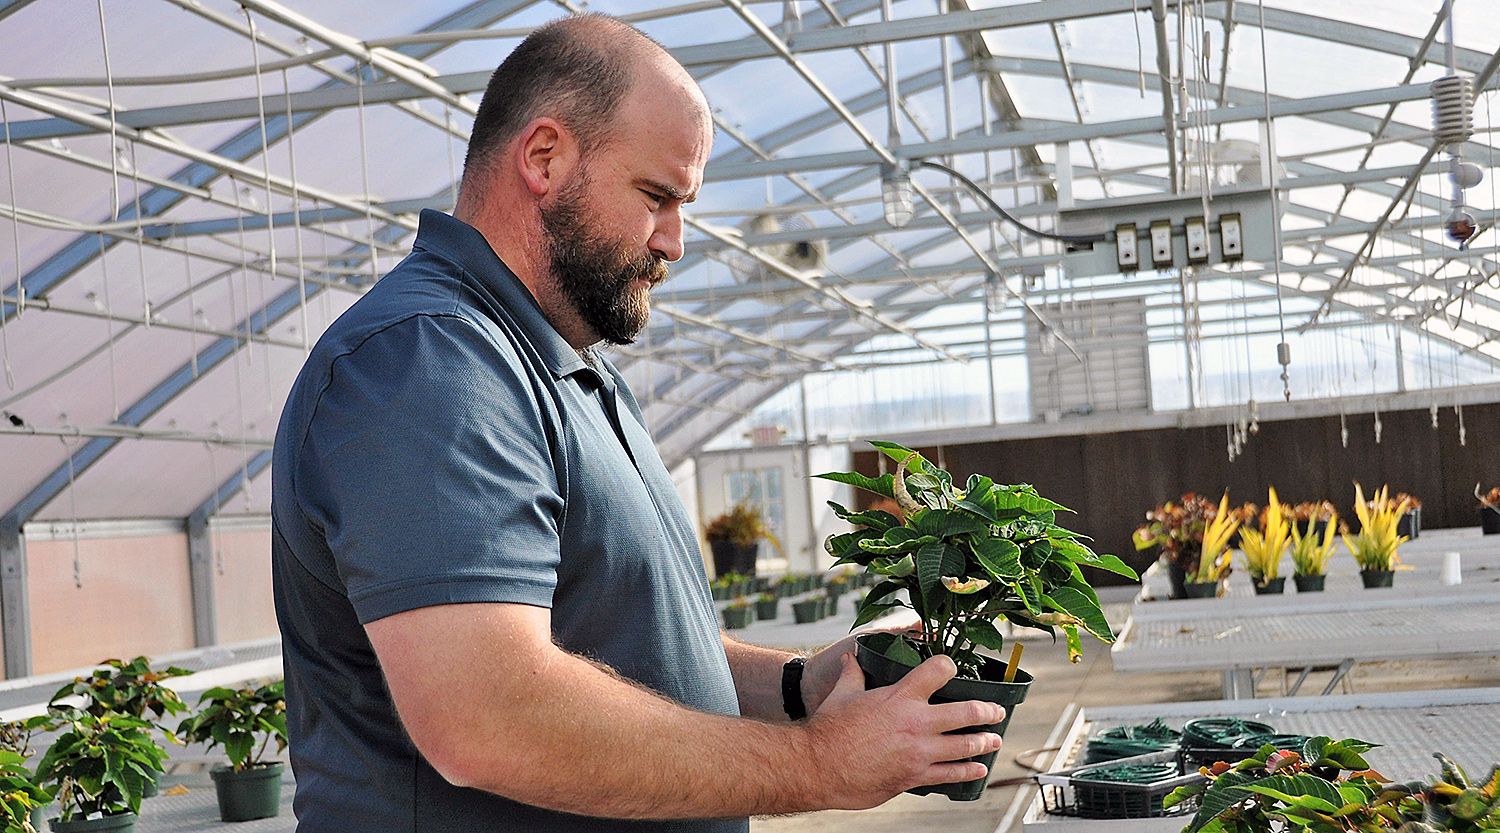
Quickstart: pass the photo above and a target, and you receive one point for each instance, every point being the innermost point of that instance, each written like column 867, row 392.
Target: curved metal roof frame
column 742, row 385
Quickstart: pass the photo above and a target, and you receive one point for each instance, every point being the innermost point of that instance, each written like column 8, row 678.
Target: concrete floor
column 1091, row 682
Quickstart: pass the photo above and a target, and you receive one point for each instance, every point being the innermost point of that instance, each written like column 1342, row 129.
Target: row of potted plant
column 1195, row 539
column 104, row 758
column 767, row 606
column 1326, row 786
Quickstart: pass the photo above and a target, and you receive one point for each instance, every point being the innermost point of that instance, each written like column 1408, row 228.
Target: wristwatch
column 791, row 688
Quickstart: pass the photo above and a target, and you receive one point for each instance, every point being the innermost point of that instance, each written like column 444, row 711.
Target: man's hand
column 876, row 744
column 823, row 668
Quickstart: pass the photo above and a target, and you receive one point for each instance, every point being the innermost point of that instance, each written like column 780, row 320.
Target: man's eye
column 655, row 198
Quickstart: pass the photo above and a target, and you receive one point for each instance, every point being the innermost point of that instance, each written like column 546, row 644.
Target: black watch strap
column 791, row 688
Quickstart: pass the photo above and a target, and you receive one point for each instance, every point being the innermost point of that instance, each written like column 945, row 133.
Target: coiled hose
column 1126, row 741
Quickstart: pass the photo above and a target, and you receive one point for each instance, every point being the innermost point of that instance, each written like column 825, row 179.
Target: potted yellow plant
column 1311, row 554
column 1213, row 555
column 1374, row 547
column 1264, row 548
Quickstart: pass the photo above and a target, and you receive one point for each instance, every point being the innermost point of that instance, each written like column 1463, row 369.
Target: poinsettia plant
column 964, row 557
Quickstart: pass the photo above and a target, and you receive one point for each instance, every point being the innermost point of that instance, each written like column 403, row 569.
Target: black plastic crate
column 1063, row 794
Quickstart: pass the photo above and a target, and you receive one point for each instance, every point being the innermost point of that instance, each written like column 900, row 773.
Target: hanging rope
column 140, row 236
column 109, row 323
column 187, row 272
column 1283, row 349
column 364, row 168
column 73, row 512
column 15, row 233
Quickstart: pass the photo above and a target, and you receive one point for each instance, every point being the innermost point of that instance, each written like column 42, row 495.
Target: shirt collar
column 463, row 245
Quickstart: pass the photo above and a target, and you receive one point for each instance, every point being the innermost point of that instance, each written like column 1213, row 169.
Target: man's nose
column 666, row 239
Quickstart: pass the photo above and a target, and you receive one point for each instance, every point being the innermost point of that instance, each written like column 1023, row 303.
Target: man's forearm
column 757, row 678
column 580, row 739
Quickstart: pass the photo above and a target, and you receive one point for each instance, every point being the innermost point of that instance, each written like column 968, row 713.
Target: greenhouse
column 769, row 415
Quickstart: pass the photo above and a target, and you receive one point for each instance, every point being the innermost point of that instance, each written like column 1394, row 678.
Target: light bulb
column 895, row 195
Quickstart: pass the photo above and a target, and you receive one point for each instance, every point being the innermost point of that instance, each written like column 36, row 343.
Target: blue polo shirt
column 445, row 445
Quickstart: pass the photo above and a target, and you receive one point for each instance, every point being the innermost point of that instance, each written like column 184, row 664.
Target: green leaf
column 1221, row 795
column 1182, row 794
column 900, row 568
column 978, row 486
column 1081, row 554
column 876, row 519
column 983, row 632
column 1075, row 603
column 930, row 566
column 881, row 485
column 870, row 611
column 1022, row 497
column 901, row 651
column 1345, row 754
column 895, row 451
column 896, row 541
column 1000, row 557
column 238, row 747
column 976, row 506
column 945, row 523
column 845, row 546
column 1299, row 790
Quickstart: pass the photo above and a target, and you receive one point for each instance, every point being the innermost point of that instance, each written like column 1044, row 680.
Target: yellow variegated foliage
column 1264, row 549
column 1374, row 548
column 1310, row 554
column 1214, row 558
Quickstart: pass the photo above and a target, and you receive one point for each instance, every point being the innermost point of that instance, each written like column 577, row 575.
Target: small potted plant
column 1313, row 517
column 97, row 768
column 738, row 614
column 1263, row 548
column 767, row 606
column 245, row 721
column 735, row 536
column 1489, row 509
column 1175, row 530
column 806, row 611
column 1207, row 581
column 1311, row 554
column 786, row 586
column 1410, row 524
column 15, row 748
column 1374, row 548
column 131, row 688
column 21, row 799
column 963, row 558
column 1249, row 516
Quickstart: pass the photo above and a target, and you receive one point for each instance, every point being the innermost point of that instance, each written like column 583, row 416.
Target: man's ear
column 545, row 154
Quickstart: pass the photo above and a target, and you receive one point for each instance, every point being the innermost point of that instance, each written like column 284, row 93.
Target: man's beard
column 595, row 274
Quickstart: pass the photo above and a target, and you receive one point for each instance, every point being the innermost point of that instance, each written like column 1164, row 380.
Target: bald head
column 578, row 70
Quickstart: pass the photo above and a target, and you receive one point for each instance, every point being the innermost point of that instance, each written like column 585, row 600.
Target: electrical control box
column 1173, row 228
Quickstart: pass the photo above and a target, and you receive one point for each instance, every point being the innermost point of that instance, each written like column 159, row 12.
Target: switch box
column 1231, row 242
column 1161, row 243
column 1127, row 254
column 1196, row 232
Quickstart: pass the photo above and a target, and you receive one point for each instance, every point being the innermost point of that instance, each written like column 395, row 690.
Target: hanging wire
column 109, row 85
column 15, row 233
column 291, row 153
column 109, row 323
column 213, row 535
column 1283, row 349
column 448, row 138
column 364, row 168
column 187, row 271
column 265, row 149
column 140, row 235
column 73, row 511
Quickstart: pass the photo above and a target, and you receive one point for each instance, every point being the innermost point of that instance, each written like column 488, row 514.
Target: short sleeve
column 428, row 467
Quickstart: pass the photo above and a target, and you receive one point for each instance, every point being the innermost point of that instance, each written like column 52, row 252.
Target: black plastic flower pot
column 767, row 609
column 822, row 607
column 1201, row 589
column 1309, row 584
column 881, row 670
column 1178, row 579
column 1489, row 520
column 252, row 794
column 1377, row 578
column 150, row 789
column 833, row 606
column 1271, row 587
column 718, row 592
column 805, row 611
column 122, row 823
column 1410, row 524
column 738, row 617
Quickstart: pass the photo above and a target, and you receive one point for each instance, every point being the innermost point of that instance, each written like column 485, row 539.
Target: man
column 493, row 608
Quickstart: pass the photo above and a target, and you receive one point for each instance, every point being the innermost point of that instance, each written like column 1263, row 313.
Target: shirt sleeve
column 428, row 466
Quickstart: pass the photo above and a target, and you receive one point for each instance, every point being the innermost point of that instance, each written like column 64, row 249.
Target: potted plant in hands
column 1489, row 510
column 1264, row 548
column 131, row 688
column 250, row 787
column 1374, row 547
column 734, row 538
column 961, row 559
column 98, row 767
column 1213, row 568
column 1311, row 554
